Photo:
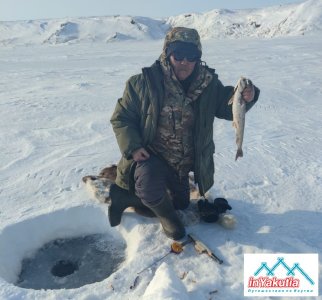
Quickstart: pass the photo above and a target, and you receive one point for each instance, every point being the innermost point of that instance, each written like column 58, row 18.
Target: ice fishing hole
column 63, row 268
column 62, row 249
column 72, row 263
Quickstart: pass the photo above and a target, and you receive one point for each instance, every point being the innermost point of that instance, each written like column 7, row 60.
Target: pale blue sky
column 11, row 10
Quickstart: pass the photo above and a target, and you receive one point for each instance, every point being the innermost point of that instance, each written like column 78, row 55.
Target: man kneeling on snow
column 164, row 129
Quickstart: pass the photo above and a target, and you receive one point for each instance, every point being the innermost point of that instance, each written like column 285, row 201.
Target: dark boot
column 172, row 226
column 121, row 199
column 144, row 211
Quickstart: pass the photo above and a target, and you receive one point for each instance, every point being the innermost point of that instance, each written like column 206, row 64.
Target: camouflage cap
column 183, row 34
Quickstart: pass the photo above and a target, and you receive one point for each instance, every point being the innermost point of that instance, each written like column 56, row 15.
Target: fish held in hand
column 239, row 112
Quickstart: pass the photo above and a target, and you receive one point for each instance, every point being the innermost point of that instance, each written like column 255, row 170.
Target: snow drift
column 276, row 21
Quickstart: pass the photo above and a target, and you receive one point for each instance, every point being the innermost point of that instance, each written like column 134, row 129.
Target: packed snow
column 56, row 99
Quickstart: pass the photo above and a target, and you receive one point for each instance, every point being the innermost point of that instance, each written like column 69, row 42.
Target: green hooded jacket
column 135, row 121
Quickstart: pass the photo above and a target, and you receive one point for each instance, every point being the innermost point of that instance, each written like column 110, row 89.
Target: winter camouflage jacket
column 135, row 121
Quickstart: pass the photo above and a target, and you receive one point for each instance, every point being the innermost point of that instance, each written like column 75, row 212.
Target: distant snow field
column 56, row 101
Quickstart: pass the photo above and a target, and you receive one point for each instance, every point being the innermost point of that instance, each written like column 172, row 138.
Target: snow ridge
column 275, row 21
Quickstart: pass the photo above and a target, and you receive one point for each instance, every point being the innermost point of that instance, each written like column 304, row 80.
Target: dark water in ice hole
column 72, row 263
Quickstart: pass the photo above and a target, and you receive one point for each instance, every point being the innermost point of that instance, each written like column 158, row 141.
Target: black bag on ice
column 209, row 212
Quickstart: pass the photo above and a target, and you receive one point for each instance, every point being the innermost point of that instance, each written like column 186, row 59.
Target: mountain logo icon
column 290, row 271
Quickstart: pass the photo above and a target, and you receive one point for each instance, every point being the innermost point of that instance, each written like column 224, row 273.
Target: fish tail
column 239, row 153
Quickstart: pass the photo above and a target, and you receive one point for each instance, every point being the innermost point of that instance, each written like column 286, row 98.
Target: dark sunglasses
column 180, row 56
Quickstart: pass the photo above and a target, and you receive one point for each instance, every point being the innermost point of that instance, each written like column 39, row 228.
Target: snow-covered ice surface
column 55, row 105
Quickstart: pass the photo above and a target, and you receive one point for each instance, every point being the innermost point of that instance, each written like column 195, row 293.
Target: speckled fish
column 239, row 112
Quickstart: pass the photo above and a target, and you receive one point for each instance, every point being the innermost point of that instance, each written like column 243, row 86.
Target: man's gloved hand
column 140, row 155
column 209, row 212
